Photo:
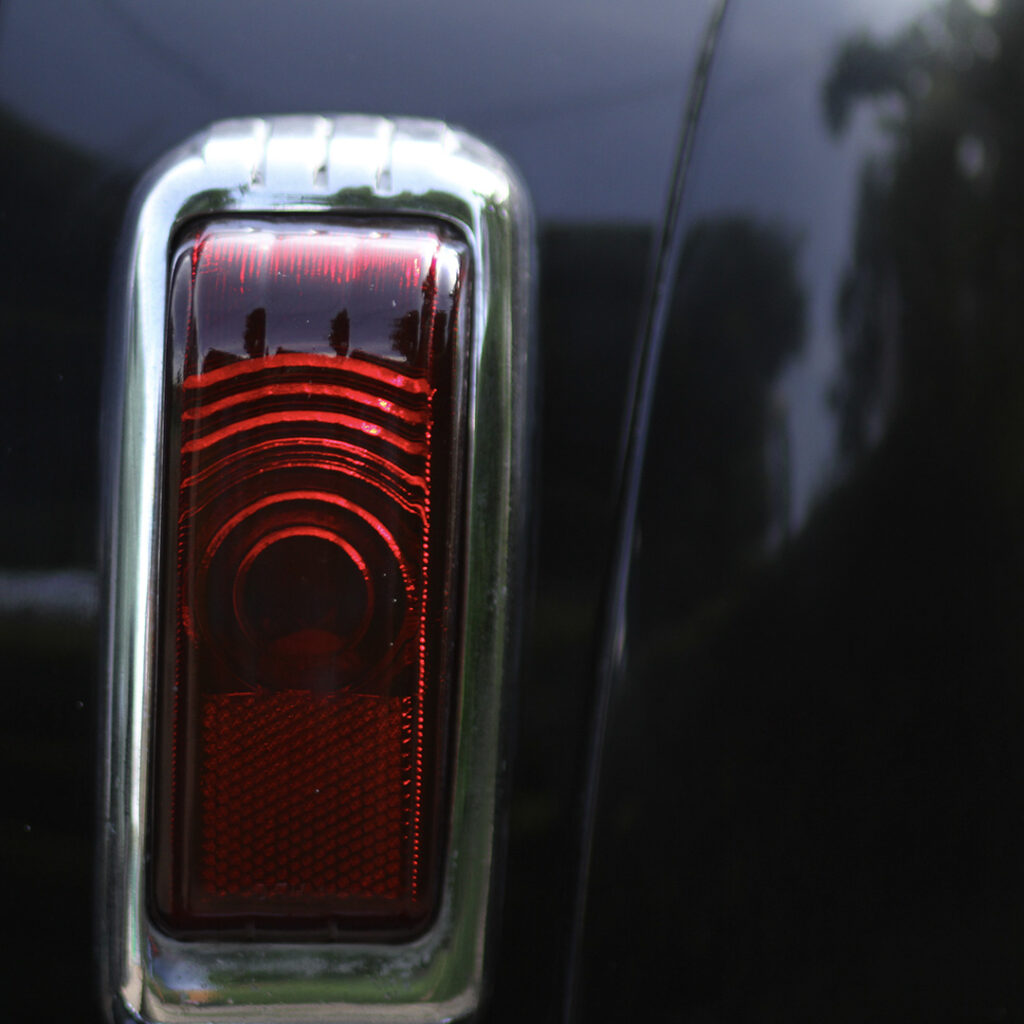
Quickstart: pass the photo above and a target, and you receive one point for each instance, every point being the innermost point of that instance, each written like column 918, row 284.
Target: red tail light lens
column 312, row 491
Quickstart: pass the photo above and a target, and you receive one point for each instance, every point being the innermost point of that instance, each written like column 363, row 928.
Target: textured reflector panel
column 303, row 717
column 282, row 771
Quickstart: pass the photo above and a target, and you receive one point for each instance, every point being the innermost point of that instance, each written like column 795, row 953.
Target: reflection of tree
column 850, row 719
column 706, row 515
column 931, row 309
column 838, row 735
column 737, row 318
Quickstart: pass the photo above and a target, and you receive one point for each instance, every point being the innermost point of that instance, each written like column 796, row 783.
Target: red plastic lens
column 312, row 488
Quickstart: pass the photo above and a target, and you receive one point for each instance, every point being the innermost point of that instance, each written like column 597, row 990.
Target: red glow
column 408, row 385
column 304, row 416
column 273, row 391
column 303, row 739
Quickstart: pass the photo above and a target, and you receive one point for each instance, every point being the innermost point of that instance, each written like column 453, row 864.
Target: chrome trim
column 314, row 165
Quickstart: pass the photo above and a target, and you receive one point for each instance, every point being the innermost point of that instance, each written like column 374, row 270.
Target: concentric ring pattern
column 304, row 738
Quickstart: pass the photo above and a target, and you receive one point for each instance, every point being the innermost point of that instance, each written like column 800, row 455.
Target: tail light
column 312, row 568
column 310, row 613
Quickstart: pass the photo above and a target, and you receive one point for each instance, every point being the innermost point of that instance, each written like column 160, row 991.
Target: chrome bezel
column 365, row 166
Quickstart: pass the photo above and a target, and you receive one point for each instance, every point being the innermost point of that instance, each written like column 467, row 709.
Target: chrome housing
column 313, row 165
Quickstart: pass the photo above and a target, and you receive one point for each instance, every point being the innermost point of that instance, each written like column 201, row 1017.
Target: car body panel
column 807, row 800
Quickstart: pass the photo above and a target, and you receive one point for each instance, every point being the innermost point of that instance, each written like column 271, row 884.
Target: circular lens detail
column 303, row 590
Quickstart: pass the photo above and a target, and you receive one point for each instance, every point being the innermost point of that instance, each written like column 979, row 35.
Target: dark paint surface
column 811, row 803
column 812, row 795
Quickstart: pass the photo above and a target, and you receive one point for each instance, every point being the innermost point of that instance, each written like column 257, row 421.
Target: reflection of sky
column 765, row 152
column 585, row 95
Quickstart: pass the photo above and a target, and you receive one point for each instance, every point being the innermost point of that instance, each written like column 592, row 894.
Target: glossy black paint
column 811, row 792
column 811, row 803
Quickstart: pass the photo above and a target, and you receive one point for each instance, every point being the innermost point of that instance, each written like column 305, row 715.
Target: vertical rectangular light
column 310, row 615
column 318, row 400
